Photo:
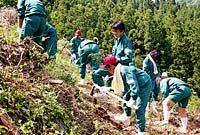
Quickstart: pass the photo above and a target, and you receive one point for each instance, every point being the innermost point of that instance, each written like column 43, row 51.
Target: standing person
column 50, row 42
column 122, row 50
column 174, row 91
column 151, row 66
column 88, row 52
column 31, row 19
column 123, row 46
column 137, row 87
column 74, row 44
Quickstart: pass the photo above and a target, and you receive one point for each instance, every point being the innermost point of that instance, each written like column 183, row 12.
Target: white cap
column 164, row 74
column 96, row 40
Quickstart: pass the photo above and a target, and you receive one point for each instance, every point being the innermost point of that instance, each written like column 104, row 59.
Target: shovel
column 113, row 95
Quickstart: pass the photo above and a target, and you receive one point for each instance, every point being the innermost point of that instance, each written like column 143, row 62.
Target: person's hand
column 130, row 102
column 106, row 78
column 74, row 56
column 43, row 38
column 104, row 89
column 19, row 30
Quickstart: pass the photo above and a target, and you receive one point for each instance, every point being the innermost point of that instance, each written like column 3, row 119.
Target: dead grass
column 8, row 16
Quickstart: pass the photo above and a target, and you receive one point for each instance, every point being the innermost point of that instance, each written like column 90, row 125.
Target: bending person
column 137, row 88
column 88, row 53
column 174, row 91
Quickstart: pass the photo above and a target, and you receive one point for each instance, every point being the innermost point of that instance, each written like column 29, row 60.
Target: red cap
column 109, row 60
column 78, row 33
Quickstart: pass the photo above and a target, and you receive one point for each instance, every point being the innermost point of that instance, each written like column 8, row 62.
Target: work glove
column 19, row 30
column 106, row 78
column 104, row 89
column 74, row 56
column 43, row 38
column 130, row 102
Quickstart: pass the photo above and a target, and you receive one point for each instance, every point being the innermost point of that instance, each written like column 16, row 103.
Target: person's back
column 86, row 47
column 30, row 7
column 88, row 52
column 140, row 77
column 151, row 63
column 170, row 84
column 31, row 20
column 74, row 44
column 149, row 68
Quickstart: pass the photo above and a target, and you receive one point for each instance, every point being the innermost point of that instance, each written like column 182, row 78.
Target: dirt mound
column 27, row 55
column 104, row 110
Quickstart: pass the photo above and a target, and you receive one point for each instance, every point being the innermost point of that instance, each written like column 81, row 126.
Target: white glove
column 130, row 102
column 74, row 55
column 104, row 89
column 19, row 30
column 106, row 78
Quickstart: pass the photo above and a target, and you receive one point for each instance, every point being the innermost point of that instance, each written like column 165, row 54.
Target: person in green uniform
column 88, row 52
column 102, row 76
column 123, row 46
column 50, row 42
column 137, row 88
column 151, row 66
column 174, row 91
column 122, row 50
column 74, row 44
column 31, row 20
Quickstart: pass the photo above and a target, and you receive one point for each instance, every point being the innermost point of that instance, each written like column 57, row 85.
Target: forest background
column 172, row 27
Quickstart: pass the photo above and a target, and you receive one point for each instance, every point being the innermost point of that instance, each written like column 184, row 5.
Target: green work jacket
column 134, row 80
column 170, row 84
column 123, row 50
column 30, row 7
column 74, row 44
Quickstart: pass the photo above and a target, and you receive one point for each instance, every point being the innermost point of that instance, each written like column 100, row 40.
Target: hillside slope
column 101, row 111
column 31, row 103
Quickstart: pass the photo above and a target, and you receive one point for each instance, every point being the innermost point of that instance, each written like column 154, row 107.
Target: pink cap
column 109, row 60
column 78, row 33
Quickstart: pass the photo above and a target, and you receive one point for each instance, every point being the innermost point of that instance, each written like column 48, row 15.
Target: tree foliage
column 169, row 26
column 8, row 3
